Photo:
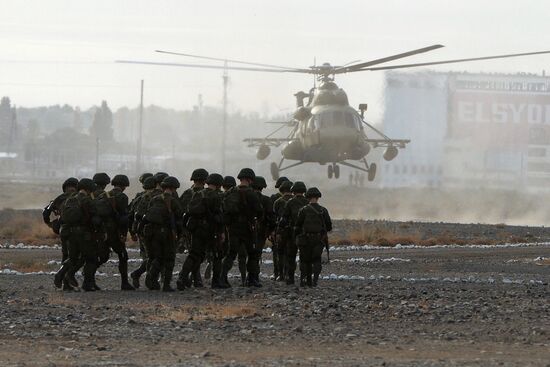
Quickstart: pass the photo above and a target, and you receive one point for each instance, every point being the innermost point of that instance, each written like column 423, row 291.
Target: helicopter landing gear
column 370, row 169
column 274, row 171
column 372, row 172
column 333, row 170
column 277, row 168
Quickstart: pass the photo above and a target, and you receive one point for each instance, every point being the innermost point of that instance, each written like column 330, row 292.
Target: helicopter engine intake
column 263, row 152
column 390, row 153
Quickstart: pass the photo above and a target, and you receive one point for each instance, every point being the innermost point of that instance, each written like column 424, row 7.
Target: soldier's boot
column 123, row 269
column 303, row 278
column 208, row 270
column 315, row 280
column 242, row 270
column 136, row 274
column 166, row 283
column 245, row 281
column 67, row 287
column 225, row 281
column 88, row 285
column 151, row 279
column 256, row 280
column 61, row 273
column 309, row 281
column 183, row 278
column 217, row 281
column 290, row 278
column 197, row 278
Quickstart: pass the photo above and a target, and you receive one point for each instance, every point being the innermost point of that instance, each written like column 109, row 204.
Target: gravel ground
column 375, row 307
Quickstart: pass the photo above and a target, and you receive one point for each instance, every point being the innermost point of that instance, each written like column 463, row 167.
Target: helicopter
column 326, row 129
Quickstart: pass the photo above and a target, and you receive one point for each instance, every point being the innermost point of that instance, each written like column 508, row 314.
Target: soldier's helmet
column 280, row 180
column 101, row 179
column 246, row 173
column 70, row 182
column 120, row 180
column 259, row 183
column 313, row 192
column 285, row 186
column 229, row 181
column 215, row 179
column 170, row 182
column 298, row 187
column 200, row 174
column 159, row 177
column 144, row 176
column 86, row 184
column 149, row 183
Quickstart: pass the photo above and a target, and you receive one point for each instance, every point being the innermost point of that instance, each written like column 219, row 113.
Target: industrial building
column 468, row 130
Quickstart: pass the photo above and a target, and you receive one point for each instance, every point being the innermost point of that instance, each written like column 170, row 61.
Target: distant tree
column 102, row 125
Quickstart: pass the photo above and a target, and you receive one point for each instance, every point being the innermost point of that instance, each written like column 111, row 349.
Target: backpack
column 157, row 210
column 197, row 204
column 104, row 205
column 314, row 222
column 232, row 203
column 71, row 211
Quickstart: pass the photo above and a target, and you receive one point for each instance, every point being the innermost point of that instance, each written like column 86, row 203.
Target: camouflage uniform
column 266, row 225
column 242, row 229
column 79, row 236
column 116, row 228
column 289, row 217
column 311, row 243
column 206, row 238
column 55, row 207
column 283, row 235
column 186, row 238
column 162, row 226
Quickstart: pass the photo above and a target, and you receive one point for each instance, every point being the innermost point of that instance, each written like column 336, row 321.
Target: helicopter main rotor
column 324, row 72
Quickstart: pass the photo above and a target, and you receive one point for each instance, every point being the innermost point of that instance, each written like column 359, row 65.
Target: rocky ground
column 447, row 306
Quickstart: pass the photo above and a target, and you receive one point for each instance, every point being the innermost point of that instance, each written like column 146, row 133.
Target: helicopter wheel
column 336, row 170
column 274, row 171
column 372, row 172
column 330, row 171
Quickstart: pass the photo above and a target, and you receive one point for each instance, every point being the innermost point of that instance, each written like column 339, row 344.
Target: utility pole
column 224, row 122
column 97, row 154
column 140, row 130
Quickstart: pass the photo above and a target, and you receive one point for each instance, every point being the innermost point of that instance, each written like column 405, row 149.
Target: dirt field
column 449, row 306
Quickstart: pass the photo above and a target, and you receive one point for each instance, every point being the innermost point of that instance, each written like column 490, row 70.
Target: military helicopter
column 326, row 129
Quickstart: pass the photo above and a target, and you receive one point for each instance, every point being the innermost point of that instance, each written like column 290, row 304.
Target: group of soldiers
column 215, row 220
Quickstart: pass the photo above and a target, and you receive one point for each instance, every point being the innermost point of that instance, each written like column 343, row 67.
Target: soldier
column 283, row 233
column 80, row 220
column 132, row 210
column 290, row 214
column 242, row 208
column 266, row 222
column 101, row 180
column 113, row 206
column 312, row 226
column 162, row 227
column 228, row 183
column 198, row 177
column 69, row 187
column 139, row 207
column 207, row 232
column 274, row 249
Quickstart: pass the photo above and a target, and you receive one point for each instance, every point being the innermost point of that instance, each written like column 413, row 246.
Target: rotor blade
column 362, row 65
column 213, row 66
column 224, row 60
column 452, row 61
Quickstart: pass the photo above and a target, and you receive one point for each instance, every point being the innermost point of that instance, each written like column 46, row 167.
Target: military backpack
column 71, row 211
column 314, row 221
column 197, row 204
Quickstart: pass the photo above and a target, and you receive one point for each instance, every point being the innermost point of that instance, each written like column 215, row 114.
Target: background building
column 469, row 130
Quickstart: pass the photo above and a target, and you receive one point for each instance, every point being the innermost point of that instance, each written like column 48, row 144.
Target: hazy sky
column 56, row 52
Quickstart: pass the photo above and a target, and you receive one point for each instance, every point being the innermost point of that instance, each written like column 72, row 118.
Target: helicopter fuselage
column 332, row 133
